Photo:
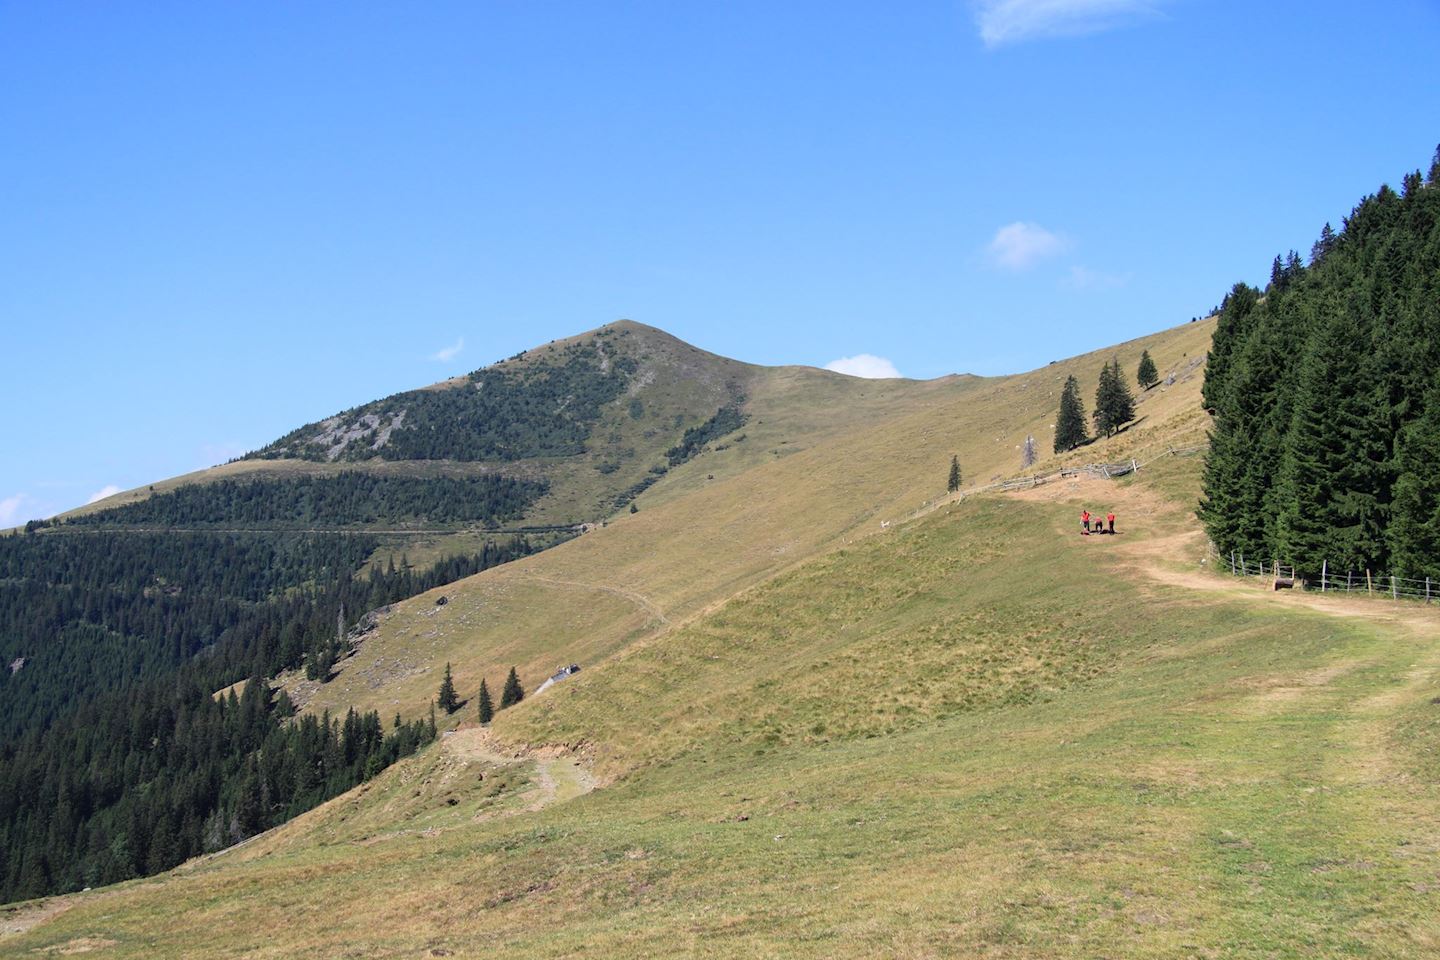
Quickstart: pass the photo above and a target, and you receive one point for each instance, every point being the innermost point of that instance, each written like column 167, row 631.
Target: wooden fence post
column 1324, row 567
column 1427, row 589
column 1369, row 583
column 1232, row 563
column 1394, row 591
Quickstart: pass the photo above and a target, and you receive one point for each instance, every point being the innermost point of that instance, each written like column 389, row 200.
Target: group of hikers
column 1086, row 520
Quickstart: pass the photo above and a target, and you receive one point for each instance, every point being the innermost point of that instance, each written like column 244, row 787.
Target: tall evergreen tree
column 447, row 700
column 513, row 692
column 953, row 483
column 1414, row 531
column 1070, row 429
column 487, row 709
column 1114, row 404
column 1147, row 376
column 1324, row 437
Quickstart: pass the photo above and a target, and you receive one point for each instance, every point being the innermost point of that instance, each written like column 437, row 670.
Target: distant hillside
column 325, row 577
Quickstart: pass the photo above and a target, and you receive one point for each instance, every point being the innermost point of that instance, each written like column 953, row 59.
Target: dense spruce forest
column 542, row 408
column 348, row 498
column 1325, row 391
column 116, row 760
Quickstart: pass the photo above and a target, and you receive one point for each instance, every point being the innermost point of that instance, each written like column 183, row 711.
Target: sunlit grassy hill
column 826, row 710
column 973, row 733
column 825, row 460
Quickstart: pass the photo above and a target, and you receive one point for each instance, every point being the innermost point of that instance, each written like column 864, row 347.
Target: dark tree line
column 137, row 784
column 352, row 497
column 539, row 408
column 115, row 760
column 726, row 420
column 1325, row 391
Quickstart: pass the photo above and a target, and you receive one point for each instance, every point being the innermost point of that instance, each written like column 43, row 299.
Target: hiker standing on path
column 1110, row 517
column 1085, row 522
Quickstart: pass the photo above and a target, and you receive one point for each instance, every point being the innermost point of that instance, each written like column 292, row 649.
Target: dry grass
column 977, row 734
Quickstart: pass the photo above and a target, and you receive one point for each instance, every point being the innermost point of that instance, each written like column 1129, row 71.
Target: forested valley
column 118, row 759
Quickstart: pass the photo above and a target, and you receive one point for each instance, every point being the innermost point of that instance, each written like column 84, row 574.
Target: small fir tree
column 487, row 709
column 1070, row 424
column 447, row 699
column 1147, row 376
column 954, row 483
column 513, row 692
column 1027, row 454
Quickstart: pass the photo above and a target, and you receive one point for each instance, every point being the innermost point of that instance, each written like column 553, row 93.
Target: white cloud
column 109, row 490
column 1015, row 21
column 10, row 509
column 212, row 454
column 1019, row 246
column 446, row 354
column 1083, row 278
column 22, row 508
column 864, row 365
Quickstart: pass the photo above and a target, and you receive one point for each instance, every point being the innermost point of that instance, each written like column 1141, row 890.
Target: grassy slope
column 826, row 459
column 974, row 735
column 1076, row 761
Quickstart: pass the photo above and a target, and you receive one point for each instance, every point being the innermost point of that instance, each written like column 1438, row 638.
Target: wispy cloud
column 22, row 507
column 109, row 490
column 446, row 354
column 1003, row 22
column 10, row 509
column 212, row 454
column 1019, row 246
column 864, row 365
column 1083, row 278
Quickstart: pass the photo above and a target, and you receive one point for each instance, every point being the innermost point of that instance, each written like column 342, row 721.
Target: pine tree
column 1332, row 496
column 1070, row 424
column 1322, row 247
column 447, row 700
column 1414, row 532
column 954, row 482
column 1147, row 376
column 1114, row 406
column 487, row 709
column 513, row 692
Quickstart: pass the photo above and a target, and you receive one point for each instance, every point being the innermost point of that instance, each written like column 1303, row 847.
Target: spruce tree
column 954, row 482
column 1114, row 406
column 487, row 709
column 513, row 692
column 1332, row 496
column 447, row 700
column 1070, row 423
column 1414, row 532
column 1147, row 376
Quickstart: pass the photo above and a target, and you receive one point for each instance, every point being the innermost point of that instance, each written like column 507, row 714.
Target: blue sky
column 223, row 220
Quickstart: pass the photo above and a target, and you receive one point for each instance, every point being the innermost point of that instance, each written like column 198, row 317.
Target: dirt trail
column 639, row 599
column 558, row 777
column 1178, row 554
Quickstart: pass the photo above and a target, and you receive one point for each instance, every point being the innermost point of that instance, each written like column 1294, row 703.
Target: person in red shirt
column 1085, row 522
column 1110, row 518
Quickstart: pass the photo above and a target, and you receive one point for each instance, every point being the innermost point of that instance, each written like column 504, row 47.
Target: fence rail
column 1424, row 590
